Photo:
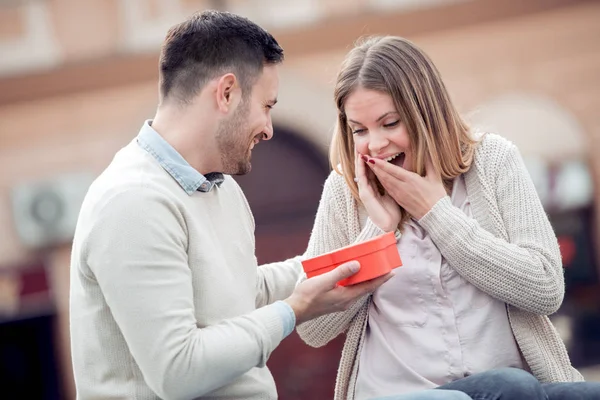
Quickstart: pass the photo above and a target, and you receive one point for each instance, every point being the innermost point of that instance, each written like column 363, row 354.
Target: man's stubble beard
column 233, row 144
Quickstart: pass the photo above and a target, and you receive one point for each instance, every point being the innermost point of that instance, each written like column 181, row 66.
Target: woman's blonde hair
column 397, row 67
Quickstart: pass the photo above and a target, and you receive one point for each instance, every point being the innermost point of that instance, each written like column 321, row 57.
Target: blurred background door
column 283, row 190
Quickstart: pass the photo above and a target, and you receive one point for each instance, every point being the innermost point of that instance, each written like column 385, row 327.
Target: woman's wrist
column 427, row 208
column 433, row 207
column 388, row 228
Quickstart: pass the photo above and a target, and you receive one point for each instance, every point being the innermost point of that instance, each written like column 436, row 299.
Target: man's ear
column 227, row 93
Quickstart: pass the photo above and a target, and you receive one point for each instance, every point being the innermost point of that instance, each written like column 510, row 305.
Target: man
column 166, row 297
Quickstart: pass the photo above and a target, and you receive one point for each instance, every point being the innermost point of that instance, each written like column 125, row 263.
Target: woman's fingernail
column 372, row 161
column 364, row 158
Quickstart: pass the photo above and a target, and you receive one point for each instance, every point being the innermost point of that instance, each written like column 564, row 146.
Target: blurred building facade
column 77, row 78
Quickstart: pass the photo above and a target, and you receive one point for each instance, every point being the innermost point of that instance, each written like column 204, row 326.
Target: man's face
column 249, row 124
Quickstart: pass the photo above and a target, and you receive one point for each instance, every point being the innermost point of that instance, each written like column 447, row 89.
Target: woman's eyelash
column 390, row 125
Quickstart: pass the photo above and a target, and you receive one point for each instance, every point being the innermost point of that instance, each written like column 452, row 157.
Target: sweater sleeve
column 136, row 251
column 277, row 281
column 331, row 232
column 274, row 281
column 523, row 270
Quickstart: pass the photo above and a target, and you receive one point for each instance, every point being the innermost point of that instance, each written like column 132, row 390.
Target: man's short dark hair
column 211, row 43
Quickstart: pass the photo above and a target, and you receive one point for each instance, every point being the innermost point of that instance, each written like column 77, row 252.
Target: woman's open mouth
column 397, row 159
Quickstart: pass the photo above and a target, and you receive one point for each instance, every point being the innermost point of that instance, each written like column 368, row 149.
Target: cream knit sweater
column 508, row 250
column 166, row 298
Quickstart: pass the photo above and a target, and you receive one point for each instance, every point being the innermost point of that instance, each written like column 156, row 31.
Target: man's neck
column 194, row 143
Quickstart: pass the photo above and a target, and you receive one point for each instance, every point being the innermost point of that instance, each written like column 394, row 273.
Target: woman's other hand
column 382, row 209
column 416, row 194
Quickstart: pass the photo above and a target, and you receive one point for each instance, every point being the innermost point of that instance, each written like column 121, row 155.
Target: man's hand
column 320, row 295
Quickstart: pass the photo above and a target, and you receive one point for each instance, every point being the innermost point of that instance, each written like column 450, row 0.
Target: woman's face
column 376, row 127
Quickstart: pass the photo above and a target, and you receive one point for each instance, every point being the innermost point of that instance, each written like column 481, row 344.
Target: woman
column 481, row 265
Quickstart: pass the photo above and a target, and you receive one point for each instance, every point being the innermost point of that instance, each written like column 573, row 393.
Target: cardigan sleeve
column 331, row 232
column 524, row 269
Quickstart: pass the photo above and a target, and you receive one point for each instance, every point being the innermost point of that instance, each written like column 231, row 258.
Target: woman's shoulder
column 336, row 184
column 337, row 193
column 493, row 144
column 492, row 151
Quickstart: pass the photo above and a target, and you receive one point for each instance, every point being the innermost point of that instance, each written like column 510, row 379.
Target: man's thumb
column 344, row 271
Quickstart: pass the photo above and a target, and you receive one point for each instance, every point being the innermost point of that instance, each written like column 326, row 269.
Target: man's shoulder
column 107, row 197
column 131, row 176
column 231, row 187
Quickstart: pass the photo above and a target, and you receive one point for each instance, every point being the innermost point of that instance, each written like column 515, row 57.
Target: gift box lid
column 350, row 252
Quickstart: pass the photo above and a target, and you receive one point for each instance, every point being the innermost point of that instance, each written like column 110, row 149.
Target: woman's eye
column 392, row 124
column 356, row 131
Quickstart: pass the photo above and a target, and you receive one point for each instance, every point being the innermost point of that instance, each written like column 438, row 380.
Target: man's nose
column 268, row 131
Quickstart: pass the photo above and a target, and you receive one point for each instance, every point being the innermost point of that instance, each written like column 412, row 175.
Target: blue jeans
column 432, row 394
column 512, row 383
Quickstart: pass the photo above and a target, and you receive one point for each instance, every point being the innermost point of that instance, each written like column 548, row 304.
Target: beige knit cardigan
column 508, row 250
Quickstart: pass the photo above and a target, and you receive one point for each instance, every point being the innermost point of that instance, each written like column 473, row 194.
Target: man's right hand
column 321, row 295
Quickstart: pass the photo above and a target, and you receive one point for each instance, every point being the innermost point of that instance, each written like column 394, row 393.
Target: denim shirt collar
column 188, row 178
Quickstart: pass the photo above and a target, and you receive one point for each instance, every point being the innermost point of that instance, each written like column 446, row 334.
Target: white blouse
column 429, row 326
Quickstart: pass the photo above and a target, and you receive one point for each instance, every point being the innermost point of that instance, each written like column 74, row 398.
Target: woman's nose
column 377, row 142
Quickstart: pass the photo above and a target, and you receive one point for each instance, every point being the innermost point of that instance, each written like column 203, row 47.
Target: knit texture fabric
column 166, row 298
column 508, row 250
